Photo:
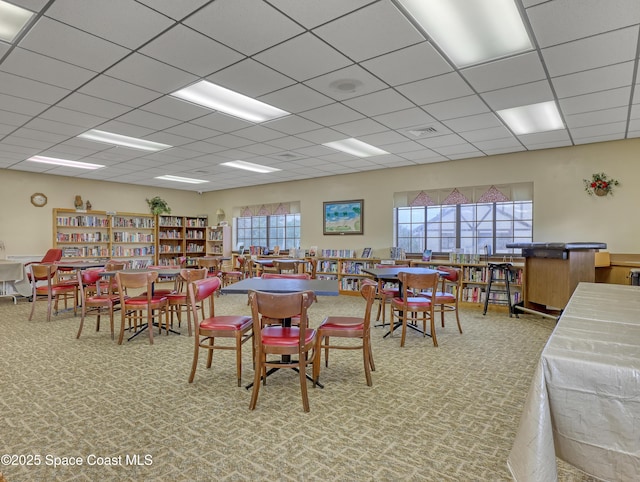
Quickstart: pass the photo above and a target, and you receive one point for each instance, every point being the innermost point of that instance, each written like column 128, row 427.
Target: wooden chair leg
column 256, row 379
column 194, row 363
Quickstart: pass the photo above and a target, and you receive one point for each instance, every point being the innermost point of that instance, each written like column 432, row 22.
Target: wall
column 27, row 230
column 562, row 210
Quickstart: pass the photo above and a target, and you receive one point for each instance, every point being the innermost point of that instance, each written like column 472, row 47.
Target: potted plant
column 157, row 205
column 599, row 184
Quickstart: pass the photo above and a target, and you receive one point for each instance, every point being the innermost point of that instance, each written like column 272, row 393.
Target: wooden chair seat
column 52, row 291
column 408, row 303
column 94, row 303
column 444, row 300
column 226, row 322
column 285, row 336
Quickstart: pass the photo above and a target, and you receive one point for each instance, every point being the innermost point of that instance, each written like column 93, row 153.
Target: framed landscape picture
column 343, row 217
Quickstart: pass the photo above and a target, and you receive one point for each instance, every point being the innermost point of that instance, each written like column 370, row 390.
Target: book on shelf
column 426, row 255
column 366, row 253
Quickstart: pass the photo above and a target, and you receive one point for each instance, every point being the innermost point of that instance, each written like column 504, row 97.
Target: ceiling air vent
column 423, row 131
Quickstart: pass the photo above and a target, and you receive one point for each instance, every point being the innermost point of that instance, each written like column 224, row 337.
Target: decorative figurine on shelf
column 88, row 205
column 78, row 202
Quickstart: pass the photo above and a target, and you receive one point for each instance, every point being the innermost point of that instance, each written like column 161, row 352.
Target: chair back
column 113, row 265
column 51, row 256
column 416, row 283
column 43, row 272
column 187, row 275
column 286, row 266
column 368, row 292
column 286, row 275
column 280, row 306
column 453, row 277
column 142, row 280
column 198, row 291
column 213, row 265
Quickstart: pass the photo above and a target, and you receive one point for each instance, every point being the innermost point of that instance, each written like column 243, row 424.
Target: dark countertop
column 559, row 246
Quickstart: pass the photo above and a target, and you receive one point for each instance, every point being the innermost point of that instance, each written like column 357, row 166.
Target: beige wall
column 562, row 210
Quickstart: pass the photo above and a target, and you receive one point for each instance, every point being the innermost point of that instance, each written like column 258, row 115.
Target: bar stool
column 500, row 272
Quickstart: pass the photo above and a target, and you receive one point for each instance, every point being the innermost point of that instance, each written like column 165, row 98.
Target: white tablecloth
column 584, row 402
column 13, row 278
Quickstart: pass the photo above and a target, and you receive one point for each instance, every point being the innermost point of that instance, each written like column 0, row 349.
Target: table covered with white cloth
column 13, row 279
column 584, row 402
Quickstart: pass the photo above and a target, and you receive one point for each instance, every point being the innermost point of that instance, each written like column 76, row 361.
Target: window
column 468, row 227
column 275, row 230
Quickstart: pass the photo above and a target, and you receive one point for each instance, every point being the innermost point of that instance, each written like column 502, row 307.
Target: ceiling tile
column 72, row 45
column 594, row 80
column 191, row 51
column 526, row 94
column 596, row 101
column 250, row 78
column 147, row 72
column 559, row 22
column 30, row 89
column 381, row 102
column 346, row 83
column 606, row 116
column 303, row 57
column 409, row 64
column 335, row 113
column 436, row 89
column 175, row 10
column 473, row 122
column 123, row 22
column 125, row 93
column 244, row 25
column 598, row 51
column 520, row 69
column 460, row 107
column 295, row 99
column 358, row 34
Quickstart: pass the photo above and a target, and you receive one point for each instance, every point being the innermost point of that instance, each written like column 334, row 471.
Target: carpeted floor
column 447, row 414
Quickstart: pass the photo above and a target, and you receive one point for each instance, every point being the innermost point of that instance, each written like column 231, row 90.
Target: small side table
column 499, row 272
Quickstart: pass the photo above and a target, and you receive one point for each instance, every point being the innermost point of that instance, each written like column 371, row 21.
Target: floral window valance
column 465, row 195
column 269, row 209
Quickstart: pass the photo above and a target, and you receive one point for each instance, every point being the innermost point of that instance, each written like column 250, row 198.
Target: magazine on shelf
column 366, row 253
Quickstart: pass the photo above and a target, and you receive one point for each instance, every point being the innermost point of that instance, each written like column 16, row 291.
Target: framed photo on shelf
column 313, row 251
column 366, row 253
column 343, row 217
column 426, row 255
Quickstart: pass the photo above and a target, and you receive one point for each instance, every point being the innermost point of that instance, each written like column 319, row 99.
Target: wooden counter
column 553, row 271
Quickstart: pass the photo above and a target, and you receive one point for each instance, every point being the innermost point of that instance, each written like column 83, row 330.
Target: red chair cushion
column 105, row 300
column 343, row 323
column 175, row 297
column 441, row 297
column 55, row 289
column 228, row 322
column 284, row 336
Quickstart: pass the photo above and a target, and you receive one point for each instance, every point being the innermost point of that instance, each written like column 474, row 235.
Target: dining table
column 321, row 287
column 583, row 405
column 13, row 279
column 390, row 274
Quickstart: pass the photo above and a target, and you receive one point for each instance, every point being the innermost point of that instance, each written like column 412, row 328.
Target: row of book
column 138, row 251
column 86, row 252
column 191, row 234
column 126, row 237
column 142, row 223
column 480, row 274
column 82, row 221
column 194, row 248
column 97, row 237
column 338, row 253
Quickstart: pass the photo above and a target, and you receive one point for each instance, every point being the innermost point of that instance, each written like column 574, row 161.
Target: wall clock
column 38, row 199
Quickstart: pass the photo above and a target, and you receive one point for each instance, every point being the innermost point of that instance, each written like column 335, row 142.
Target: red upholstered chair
column 51, row 256
column 163, row 291
column 446, row 299
column 411, row 302
column 286, row 266
column 179, row 300
column 292, row 345
column 349, row 327
column 45, row 287
column 94, row 303
column 211, row 327
column 141, row 309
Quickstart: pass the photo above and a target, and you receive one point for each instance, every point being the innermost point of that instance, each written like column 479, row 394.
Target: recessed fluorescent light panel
column 188, row 180
column 250, row 166
column 355, row 147
column 218, row 98
column 125, row 141
column 529, row 119
column 64, row 162
column 472, row 31
column 12, row 20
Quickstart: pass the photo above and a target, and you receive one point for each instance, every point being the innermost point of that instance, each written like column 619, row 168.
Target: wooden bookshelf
column 84, row 235
column 180, row 238
column 219, row 241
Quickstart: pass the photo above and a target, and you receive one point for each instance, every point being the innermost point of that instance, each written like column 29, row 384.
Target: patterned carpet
column 447, row 414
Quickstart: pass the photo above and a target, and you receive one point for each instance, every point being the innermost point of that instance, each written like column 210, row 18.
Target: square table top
column 321, row 287
column 392, row 272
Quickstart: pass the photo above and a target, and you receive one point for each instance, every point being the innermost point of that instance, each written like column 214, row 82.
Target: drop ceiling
column 342, row 68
